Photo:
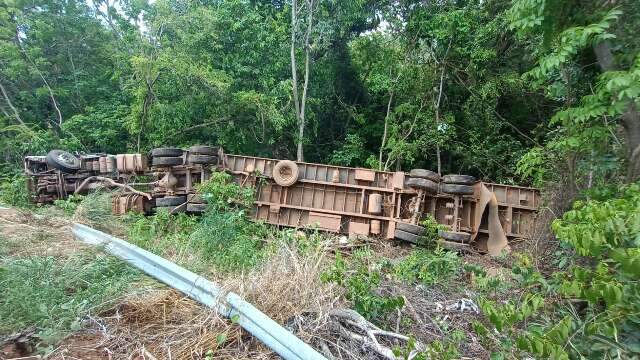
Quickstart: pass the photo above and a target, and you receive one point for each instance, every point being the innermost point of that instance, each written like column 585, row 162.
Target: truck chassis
column 353, row 201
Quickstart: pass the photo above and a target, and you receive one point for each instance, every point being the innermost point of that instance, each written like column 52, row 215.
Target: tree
column 300, row 102
column 576, row 50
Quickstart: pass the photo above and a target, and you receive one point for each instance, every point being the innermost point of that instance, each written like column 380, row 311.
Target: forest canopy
column 510, row 91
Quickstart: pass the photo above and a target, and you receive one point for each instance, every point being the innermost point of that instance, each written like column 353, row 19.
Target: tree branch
column 15, row 111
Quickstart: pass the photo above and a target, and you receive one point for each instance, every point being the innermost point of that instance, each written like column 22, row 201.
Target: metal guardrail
column 205, row 292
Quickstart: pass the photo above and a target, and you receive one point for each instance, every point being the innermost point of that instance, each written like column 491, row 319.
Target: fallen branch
column 355, row 327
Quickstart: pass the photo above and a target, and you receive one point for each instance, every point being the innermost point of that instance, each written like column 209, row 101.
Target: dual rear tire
column 458, row 184
column 195, row 203
column 167, row 157
column 202, row 154
column 409, row 232
column 199, row 154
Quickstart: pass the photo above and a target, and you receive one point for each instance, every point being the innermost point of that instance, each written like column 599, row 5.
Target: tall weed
column 55, row 294
column 13, row 192
column 222, row 239
column 361, row 277
column 429, row 267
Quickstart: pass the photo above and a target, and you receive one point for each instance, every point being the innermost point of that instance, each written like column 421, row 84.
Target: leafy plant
column 484, row 282
column 221, row 193
column 440, row 350
column 431, row 226
column 429, row 267
column 69, row 205
column 360, row 277
column 605, row 232
column 13, row 192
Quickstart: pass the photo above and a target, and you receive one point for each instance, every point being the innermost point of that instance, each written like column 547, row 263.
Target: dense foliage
column 402, row 84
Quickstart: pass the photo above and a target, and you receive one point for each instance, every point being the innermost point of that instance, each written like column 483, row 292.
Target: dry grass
column 95, row 211
column 24, row 233
column 163, row 324
column 287, row 284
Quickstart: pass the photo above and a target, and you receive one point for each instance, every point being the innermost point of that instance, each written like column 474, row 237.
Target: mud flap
column 497, row 238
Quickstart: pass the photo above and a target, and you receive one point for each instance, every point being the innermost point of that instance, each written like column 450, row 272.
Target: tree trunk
column 631, row 125
column 630, row 118
column 305, row 87
column 294, row 71
column 384, row 134
column 438, row 120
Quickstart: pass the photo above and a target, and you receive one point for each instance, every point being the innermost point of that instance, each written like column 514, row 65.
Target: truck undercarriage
column 353, row 201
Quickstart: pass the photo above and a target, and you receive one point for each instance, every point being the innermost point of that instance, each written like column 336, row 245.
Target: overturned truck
column 354, row 201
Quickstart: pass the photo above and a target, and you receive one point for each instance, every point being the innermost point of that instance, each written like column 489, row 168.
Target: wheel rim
column 286, row 174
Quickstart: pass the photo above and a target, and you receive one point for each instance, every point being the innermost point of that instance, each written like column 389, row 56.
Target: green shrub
column 222, row 193
column 606, row 232
column 361, row 277
column 429, row 267
column 69, row 205
column 55, row 294
column 13, row 192
column 603, row 280
column 224, row 238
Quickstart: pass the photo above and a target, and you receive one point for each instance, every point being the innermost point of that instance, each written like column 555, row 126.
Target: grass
column 224, row 241
column 55, row 294
column 8, row 245
column 95, row 211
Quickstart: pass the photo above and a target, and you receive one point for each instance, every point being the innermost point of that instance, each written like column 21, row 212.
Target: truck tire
column 456, row 236
column 202, row 159
column 196, row 208
column 170, row 201
column 454, row 246
column 196, row 199
column 166, row 152
column 203, row 150
column 171, row 209
column 285, row 173
column 456, row 189
column 424, row 184
column 410, row 228
column 459, row 179
column 63, row 161
column 166, row 161
column 425, row 174
column 407, row 236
